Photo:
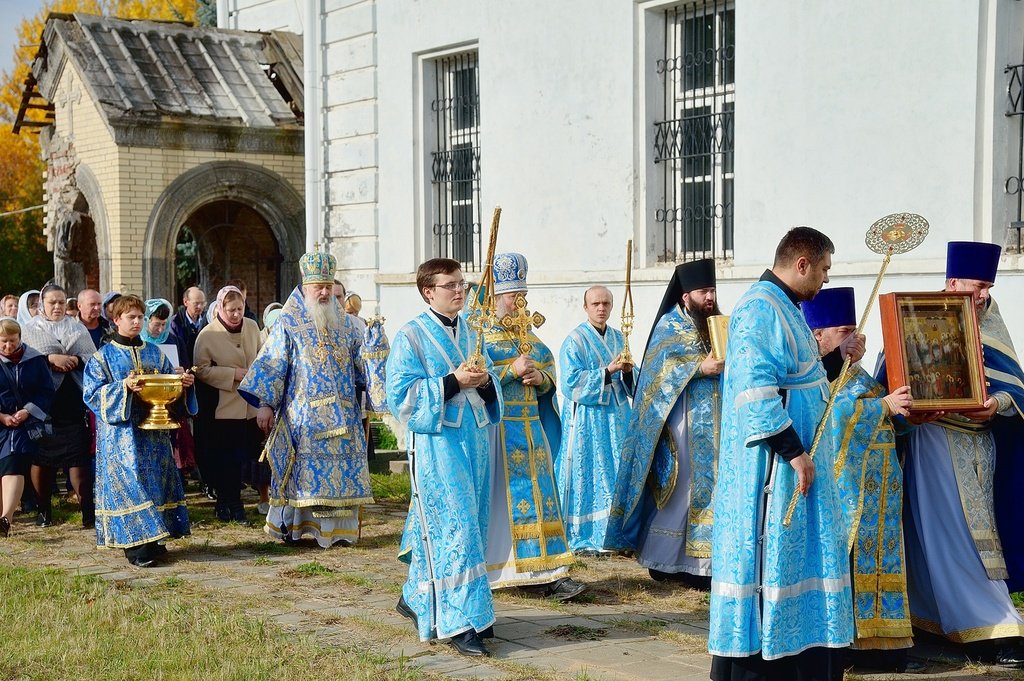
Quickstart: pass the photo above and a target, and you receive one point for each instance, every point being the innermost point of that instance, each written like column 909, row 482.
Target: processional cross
column 519, row 323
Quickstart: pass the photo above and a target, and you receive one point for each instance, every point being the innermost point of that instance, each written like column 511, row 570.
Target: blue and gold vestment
column 446, row 527
column 870, row 481
column 139, row 498
column 595, row 418
column 962, row 483
column 776, row 590
column 526, row 541
column 317, row 449
column 649, row 474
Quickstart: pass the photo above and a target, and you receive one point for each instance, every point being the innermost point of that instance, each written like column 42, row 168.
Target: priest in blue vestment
column 526, row 542
column 867, row 468
column 448, row 408
column 303, row 384
column 964, row 476
column 780, row 595
column 663, row 498
column 596, row 388
column 139, row 496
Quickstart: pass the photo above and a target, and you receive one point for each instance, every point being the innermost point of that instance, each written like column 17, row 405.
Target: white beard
column 326, row 316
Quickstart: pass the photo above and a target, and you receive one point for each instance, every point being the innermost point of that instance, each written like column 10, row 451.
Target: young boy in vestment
column 139, row 497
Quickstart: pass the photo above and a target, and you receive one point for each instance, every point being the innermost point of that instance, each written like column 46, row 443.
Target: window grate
column 1015, row 108
column 695, row 139
column 455, row 162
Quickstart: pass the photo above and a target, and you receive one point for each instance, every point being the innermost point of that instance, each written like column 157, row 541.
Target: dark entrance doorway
column 224, row 240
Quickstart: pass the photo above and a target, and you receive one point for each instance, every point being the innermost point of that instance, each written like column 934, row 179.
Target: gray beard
column 325, row 316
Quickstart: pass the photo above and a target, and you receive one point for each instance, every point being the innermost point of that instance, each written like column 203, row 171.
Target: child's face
column 129, row 323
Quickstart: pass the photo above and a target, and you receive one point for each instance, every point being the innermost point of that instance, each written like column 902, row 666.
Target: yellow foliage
column 23, row 257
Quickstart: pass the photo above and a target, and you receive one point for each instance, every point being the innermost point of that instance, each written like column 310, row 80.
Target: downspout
column 223, row 14
column 312, row 96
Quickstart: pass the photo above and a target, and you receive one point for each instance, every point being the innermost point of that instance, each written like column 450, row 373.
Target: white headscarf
column 23, row 313
column 65, row 337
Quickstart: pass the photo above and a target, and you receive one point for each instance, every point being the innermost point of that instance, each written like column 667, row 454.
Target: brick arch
column 264, row 191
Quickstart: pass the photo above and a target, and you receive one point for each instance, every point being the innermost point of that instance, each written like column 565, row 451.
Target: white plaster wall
column 263, row 15
column 845, row 112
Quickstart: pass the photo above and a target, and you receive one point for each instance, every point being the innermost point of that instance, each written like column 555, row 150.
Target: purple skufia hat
column 972, row 260
column 831, row 307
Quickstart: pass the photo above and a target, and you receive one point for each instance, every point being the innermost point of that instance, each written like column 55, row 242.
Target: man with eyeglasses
column 448, row 408
column 526, row 541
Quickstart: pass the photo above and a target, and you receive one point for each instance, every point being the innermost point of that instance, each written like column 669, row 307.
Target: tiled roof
column 163, row 71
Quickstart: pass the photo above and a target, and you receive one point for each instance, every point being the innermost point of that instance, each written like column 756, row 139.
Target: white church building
column 696, row 129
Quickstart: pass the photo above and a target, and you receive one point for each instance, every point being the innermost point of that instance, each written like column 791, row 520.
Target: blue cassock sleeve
column 264, row 383
column 756, row 344
column 109, row 399
column 581, row 383
column 414, row 398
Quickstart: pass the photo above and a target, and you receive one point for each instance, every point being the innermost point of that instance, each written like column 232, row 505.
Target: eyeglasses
column 454, row 286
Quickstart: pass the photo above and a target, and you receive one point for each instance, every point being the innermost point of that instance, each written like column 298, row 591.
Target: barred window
column 455, row 160
column 694, row 138
column 1014, row 185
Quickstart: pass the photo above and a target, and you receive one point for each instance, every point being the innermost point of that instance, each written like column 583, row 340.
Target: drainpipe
column 223, row 14
column 312, row 95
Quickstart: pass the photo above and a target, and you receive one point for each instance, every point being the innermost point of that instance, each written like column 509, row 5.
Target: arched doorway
column 228, row 207
column 224, row 240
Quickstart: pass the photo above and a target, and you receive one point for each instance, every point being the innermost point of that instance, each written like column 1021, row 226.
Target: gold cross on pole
column 520, row 322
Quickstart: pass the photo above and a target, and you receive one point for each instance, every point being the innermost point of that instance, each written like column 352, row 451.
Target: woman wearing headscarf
column 270, row 314
column 108, row 300
column 67, row 347
column 28, row 306
column 156, row 329
column 26, row 394
column 225, row 349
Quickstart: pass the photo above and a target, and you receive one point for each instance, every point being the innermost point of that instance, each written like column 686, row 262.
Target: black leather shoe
column 468, row 643
column 5, row 527
column 1010, row 655
column 142, row 561
column 566, row 589
column 405, row 611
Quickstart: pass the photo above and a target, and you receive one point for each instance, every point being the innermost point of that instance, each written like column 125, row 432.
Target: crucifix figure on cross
column 520, row 322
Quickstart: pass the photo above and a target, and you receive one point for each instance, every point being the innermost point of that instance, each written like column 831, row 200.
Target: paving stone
column 514, row 631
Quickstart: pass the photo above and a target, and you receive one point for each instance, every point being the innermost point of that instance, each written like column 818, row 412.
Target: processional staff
column 626, row 317
column 892, row 235
column 482, row 316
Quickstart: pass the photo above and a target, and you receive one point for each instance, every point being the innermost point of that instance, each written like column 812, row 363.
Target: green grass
column 312, row 569
column 1018, row 599
column 391, row 487
column 67, row 624
column 645, row 626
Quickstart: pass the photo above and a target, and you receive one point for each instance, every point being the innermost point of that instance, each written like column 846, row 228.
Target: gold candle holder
column 718, row 327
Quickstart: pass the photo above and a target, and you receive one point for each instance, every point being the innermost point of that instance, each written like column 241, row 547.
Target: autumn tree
column 24, row 260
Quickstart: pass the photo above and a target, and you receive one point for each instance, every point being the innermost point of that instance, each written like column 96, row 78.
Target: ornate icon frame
column 932, row 343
